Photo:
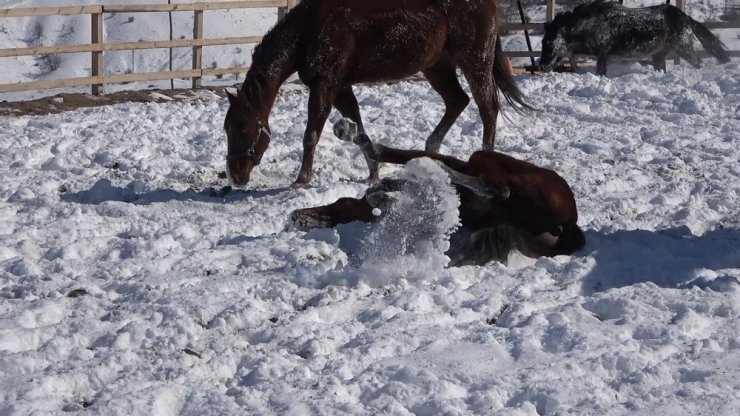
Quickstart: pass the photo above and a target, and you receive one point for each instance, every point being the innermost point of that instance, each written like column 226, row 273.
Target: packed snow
column 133, row 283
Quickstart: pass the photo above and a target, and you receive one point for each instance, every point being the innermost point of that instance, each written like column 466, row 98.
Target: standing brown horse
column 333, row 44
column 505, row 203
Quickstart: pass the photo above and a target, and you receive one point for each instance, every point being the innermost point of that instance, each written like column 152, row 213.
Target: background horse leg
column 480, row 78
column 659, row 60
column 442, row 77
column 320, row 100
column 346, row 103
column 601, row 61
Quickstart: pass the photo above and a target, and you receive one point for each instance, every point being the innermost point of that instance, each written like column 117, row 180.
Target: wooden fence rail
column 98, row 46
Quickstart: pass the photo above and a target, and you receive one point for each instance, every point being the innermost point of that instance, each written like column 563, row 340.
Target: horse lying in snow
column 605, row 28
column 505, row 203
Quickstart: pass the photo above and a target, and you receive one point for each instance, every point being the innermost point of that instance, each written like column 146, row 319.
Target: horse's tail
column 709, row 41
column 504, row 81
column 570, row 240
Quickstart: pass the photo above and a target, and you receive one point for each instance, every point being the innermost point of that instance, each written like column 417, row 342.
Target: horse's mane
column 267, row 52
column 587, row 10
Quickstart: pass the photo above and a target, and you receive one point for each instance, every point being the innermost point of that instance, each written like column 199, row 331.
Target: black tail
column 505, row 82
column 710, row 42
column 566, row 240
column 570, row 240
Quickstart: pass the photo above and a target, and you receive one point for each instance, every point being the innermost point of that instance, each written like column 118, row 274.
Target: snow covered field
column 129, row 284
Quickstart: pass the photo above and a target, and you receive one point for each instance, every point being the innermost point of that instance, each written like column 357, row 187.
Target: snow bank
column 131, row 283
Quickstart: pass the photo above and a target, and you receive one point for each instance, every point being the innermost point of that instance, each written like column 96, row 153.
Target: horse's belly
column 396, row 58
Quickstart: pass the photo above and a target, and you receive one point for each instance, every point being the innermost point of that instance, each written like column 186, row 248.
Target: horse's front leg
column 320, row 99
column 573, row 64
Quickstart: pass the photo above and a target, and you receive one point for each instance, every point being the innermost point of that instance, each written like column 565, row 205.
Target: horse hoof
column 345, row 129
column 307, row 219
column 299, row 185
column 373, row 179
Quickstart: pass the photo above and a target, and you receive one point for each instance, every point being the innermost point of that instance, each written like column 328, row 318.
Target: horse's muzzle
column 239, row 175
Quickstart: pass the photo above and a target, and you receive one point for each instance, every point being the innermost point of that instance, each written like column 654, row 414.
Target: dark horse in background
column 505, row 204
column 606, row 28
column 333, row 44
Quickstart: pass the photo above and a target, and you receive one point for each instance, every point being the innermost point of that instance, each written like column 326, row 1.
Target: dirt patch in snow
column 70, row 101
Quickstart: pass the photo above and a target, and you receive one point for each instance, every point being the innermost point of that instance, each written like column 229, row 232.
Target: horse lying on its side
column 606, row 28
column 505, row 203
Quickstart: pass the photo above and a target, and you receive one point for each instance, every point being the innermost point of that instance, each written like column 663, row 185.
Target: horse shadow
column 671, row 258
column 104, row 191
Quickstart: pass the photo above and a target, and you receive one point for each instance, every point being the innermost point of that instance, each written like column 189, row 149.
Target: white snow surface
column 203, row 304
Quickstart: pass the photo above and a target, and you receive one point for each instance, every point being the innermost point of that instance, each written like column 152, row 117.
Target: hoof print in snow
column 77, row 293
column 273, row 319
column 222, row 175
column 188, row 351
column 63, row 189
column 76, row 406
column 220, row 193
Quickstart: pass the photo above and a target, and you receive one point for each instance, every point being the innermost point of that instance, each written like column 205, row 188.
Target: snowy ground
column 197, row 304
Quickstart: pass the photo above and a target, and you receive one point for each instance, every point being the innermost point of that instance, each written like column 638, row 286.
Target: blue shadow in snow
column 668, row 258
column 103, row 190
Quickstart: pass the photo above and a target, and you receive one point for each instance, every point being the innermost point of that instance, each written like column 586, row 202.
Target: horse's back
column 380, row 40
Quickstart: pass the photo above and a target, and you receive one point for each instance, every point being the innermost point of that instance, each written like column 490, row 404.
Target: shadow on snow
column 672, row 258
column 103, row 191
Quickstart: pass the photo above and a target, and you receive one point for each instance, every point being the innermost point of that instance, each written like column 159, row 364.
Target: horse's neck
column 273, row 62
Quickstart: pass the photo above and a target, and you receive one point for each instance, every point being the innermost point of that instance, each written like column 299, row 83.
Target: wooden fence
column 98, row 45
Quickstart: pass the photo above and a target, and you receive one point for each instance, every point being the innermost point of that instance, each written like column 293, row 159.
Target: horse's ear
column 232, row 98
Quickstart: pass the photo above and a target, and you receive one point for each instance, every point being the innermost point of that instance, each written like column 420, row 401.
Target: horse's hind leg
column 685, row 49
column 346, row 103
column 443, row 78
column 480, row 78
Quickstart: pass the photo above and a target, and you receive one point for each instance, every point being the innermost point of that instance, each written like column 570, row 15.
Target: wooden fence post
column 550, row 13
column 197, row 49
column 97, row 56
column 282, row 11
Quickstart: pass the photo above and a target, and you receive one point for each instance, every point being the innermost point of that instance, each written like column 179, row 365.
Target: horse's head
column 248, row 138
column 554, row 45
